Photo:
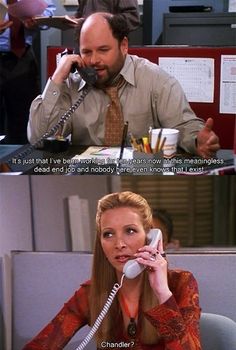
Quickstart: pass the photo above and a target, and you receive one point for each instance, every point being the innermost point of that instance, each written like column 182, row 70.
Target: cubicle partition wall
column 154, row 10
column 42, row 282
column 203, row 29
column 1, row 304
column 223, row 122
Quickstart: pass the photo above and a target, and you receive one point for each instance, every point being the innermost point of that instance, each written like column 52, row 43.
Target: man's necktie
column 114, row 122
column 17, row 35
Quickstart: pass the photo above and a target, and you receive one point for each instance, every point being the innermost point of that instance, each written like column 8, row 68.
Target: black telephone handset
column 88, row 74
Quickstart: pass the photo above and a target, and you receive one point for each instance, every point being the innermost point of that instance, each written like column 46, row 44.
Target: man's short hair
column 164, row 216
column 117, row 24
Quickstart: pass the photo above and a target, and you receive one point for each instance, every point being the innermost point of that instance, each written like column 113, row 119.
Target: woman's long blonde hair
column 104, row 275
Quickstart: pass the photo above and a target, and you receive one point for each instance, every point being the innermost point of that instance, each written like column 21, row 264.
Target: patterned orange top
column 177, row 320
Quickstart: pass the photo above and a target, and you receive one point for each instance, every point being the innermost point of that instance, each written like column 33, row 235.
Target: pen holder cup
column 147, row 163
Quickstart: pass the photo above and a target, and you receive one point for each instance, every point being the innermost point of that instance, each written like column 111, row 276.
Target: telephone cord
column 56, row 127
column 102, row 314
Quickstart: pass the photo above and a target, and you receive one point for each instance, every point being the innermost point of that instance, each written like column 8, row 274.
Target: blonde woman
column 159, row 309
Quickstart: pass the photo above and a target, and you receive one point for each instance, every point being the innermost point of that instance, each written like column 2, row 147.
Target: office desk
column 37, row 162
column 5, row 150
column 41, row 162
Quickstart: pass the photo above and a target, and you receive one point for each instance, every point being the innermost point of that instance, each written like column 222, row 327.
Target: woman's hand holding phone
column 157, row 267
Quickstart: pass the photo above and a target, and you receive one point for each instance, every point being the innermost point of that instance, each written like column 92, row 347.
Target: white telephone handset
column 132, row 268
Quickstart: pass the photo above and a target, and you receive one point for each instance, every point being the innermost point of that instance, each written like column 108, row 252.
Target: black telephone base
column 56, row 145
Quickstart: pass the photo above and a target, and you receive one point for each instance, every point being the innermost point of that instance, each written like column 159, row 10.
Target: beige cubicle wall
column 1, row 305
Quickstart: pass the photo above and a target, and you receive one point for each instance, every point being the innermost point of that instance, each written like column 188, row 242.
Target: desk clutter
column 152, row 154
column 99, row 160
column 158, row 140
column 144, row 144
column 105, row 161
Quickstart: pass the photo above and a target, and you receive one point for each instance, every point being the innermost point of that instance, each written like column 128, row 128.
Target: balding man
column 148, row 96
column 128, row 9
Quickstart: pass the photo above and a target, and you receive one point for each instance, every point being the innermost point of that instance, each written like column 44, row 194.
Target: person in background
column 128, row 89
column 163, row 220
column 127, row 9
column 19, row 74
column 156, row 310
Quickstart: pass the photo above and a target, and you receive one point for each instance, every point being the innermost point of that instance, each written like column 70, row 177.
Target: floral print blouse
column 176, row 320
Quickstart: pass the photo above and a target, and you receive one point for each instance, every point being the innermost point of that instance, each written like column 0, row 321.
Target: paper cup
column 170, row 145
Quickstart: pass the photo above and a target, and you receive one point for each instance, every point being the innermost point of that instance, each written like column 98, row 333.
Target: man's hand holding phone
column 64, row 67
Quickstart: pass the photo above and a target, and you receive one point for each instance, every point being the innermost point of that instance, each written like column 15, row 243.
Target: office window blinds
column 189, row 200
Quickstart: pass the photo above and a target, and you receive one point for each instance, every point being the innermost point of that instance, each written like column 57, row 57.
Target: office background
column 37, row 213
column 153, row 30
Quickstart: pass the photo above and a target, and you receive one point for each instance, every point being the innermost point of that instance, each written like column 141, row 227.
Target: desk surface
column 5, row 150
column 41, row 162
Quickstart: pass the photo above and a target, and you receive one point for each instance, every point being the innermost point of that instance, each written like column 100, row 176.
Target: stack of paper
column 60, row 22
column 27, row 8
column 106, row 154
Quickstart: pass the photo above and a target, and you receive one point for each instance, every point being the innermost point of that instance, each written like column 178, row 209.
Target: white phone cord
column 102, row 314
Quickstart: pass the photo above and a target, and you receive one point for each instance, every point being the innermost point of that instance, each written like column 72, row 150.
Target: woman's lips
column 122, row 258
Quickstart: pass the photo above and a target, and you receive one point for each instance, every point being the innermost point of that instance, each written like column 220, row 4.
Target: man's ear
column 124, row 45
